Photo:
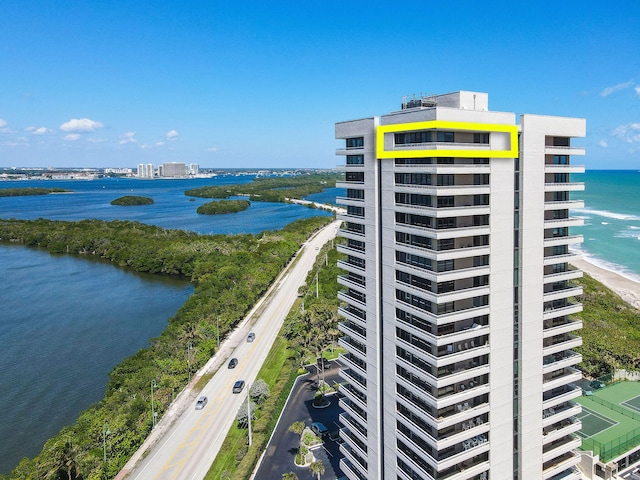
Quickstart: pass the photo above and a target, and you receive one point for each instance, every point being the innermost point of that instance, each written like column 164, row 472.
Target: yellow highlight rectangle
column 445, row 124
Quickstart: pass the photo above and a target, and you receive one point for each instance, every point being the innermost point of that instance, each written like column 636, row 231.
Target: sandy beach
column 627, row 289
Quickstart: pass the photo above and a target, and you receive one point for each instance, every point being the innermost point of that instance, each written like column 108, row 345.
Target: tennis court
column 593, row 423
column 632, row 403
column 611, row 419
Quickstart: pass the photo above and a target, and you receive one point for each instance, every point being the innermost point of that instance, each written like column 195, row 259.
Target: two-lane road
column 186, row 448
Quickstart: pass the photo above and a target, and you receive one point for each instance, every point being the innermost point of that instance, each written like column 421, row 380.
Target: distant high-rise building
column 173, row 169
column 458, row 300
column 194, row 169
column 145, row 170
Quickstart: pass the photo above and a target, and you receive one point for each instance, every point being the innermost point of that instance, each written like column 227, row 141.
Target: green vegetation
column 291, row 349
column 223, row 206
column 270, row 189
column 129, row 200
column 610, row 334
column 23, row 192
column 229, row 273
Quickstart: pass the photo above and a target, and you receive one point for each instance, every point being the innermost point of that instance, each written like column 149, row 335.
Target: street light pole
column 105, row 432
column 153, row 412
column 249, row 413
column 218, row 331
column 189, row 361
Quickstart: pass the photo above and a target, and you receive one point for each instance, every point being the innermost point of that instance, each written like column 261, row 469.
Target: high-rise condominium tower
column 458, row 297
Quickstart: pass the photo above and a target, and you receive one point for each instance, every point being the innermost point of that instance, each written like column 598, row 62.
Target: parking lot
column 280, row 453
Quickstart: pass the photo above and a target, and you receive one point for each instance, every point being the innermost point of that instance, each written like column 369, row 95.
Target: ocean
column 611, row 220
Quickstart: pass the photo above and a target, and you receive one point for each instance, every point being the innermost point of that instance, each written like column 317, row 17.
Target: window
column 355, row 142
column 446, row 180
column 355, row 159
column 355, row 194
column 448, row 201
column 481, row 138
column 412, row 137
column 561, row 141
column 355, row 177
column 355, row 211
column 413, row 179
column 561, row 159
column 446, row 137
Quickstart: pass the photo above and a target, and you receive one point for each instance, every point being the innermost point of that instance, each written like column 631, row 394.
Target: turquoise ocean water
column 611, row 220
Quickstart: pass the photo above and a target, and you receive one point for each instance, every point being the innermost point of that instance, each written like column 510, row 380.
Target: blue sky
column 261, row 84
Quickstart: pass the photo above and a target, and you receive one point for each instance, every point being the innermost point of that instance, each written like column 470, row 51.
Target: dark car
column 251, row 337
column 202, row 401
column 319, row 429
column 238, row 386
column 232, row 363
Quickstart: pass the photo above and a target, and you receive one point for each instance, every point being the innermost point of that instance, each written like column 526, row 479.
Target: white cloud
column 81, row 125
column 128, row 137
column 38, row 131
column 629, row 133
column 72, row 137
column 159, row 144
column 95, row 140
column 637, row 89
column 3, row 123
column 212, row 149
column 172, row 135
column 616, row 88
column 603, row 143
column 145, row 147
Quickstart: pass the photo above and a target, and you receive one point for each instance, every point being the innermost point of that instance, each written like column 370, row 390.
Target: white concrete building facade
column 458, row 299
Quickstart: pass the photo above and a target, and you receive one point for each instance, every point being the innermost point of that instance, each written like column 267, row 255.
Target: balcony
column 353, row 363
column 351, row 300
column 352, row 346
column 353, row 410
column 561, row 447
column 351, row 471
column 442, row 190
column 562, row 258
column 354, row 459
column 352, row 315
column 564, row 222
column 441, row 212
column 567, row 358
column 560, row 204
column 562, row 293
column 564, row 394
column 349, row 184
column 570, row 274
column 354, row 431
column 556, row 466
column 569, row 375
column 562, row 187
column 356, row 268
column 563, row 342
column 561, row 429
column 353, row 377
column 356, row 202
column 558, row 150
column 553, row 415
column 352, row 234
column 354, row 395
column 559, row 311
column 563, row 240
column 562, row 326
column 569, row 168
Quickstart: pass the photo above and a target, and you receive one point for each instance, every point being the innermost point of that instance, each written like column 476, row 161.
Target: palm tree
column 289, row 476
column 317, row 468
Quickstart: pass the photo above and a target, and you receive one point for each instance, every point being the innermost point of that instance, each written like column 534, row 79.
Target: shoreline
column 625, row 288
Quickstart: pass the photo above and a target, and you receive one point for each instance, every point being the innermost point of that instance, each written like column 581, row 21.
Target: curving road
column 186, row 441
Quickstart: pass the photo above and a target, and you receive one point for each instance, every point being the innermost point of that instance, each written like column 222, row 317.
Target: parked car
column 202, row 401
column 319, row 429
column 238, row 386
column 251, row 337
column 232, row 363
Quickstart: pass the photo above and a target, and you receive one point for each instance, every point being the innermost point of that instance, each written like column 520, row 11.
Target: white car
column 202, row 401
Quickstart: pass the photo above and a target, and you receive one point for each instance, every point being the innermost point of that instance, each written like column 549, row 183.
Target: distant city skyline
column 262, row 84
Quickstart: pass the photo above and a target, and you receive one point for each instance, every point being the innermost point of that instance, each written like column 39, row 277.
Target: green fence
column 610, row 450
column 616, row 408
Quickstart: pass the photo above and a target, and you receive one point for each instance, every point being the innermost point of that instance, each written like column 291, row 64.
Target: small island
column 223, row 206
column 129, row 200
column 23, row 192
